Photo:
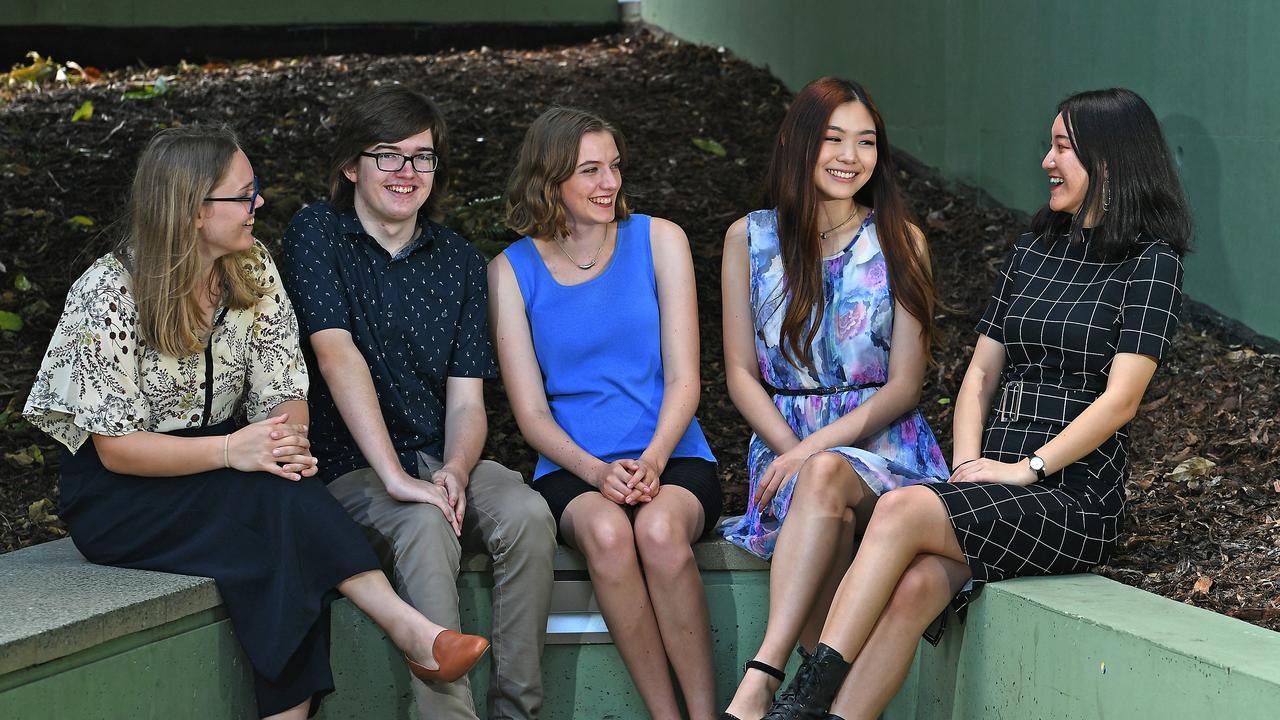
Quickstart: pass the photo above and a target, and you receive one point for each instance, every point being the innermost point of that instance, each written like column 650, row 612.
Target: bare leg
column 665, row 530
column 924, row 590
column 409, row 629
column 813, row 548
column 602, row 531
column 908, row 522
column 297, row 712
column 839, row 566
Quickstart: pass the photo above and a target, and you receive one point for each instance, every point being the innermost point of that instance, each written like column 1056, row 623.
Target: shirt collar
column 349, row 224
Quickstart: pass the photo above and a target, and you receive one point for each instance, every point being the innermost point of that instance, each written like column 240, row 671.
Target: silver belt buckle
column 1011, row 402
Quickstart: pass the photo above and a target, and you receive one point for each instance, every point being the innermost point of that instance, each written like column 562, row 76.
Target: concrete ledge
column 1083, row 647
column 54, row 603
column 78, row 640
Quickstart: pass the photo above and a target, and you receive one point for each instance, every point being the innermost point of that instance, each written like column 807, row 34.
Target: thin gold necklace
column 822, row 234
column 594, row 258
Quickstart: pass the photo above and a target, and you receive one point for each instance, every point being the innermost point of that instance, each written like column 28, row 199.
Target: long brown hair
column 789, row 186
column 176, row 171
column 548, row 156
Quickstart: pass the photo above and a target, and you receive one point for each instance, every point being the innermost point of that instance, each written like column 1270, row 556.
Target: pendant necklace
column 594, row 258
column 822, row 234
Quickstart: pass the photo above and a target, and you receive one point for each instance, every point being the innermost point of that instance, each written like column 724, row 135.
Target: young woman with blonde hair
column 596, row 325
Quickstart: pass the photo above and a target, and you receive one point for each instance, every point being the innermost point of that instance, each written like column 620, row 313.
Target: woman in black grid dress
column 1083, row 310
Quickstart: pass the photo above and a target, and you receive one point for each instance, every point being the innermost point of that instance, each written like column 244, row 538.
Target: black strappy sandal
column 767, row 669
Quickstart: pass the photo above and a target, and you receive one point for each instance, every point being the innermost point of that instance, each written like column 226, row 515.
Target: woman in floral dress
column 828, row 318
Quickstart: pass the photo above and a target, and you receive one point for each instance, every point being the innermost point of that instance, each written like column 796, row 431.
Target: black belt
column 820, row 391
column 1042, row 403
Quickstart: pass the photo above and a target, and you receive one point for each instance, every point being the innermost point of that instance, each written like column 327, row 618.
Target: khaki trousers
column 505, row 519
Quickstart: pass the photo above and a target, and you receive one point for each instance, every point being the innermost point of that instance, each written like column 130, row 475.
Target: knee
column 822, row 482
column 427, row 532
column 663, row 545
column 919, row 591
column 901, row 510
column 527, row 525
column 606, row 541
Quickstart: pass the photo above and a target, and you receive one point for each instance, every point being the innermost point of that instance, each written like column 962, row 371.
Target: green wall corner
column 970, row 87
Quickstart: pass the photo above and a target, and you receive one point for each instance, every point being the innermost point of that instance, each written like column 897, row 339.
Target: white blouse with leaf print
column 99, row 377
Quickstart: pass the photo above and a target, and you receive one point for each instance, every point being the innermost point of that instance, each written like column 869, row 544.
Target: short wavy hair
column 548, row 156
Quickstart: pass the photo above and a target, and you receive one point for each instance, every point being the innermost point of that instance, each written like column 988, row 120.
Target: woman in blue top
column 595, row 320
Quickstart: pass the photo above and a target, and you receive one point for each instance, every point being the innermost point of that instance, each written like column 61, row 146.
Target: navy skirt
column 276, row 549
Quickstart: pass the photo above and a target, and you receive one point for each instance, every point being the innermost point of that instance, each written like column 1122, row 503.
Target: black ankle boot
column 810, row 693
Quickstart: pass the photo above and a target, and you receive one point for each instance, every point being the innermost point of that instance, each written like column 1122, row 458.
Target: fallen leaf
column 39, row 511
column 1241, row 354
column 1191, row 468
column 1202, row 585
column 25, row 457
column 84, row 113
column 710, row 146
column 81, row 220
column 10, row 321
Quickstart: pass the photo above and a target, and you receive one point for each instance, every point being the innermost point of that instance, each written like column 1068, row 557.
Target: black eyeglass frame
column 251, row 199
column 378, row 156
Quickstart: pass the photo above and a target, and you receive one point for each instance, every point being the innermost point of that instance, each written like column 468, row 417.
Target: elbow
column 110, row 456
column 1129, row 410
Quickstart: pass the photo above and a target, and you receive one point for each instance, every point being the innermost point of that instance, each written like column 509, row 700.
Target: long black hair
column 1118, row 140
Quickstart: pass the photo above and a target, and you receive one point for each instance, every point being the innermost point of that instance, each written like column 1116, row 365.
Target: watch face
column 1036, row 463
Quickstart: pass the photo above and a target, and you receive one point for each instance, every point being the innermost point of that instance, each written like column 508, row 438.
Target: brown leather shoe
column 455, row 654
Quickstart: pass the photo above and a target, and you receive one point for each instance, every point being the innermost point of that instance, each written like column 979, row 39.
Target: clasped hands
column 627, row 481
column 272, row 445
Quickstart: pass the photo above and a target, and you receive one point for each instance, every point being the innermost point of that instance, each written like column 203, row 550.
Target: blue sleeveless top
column 599, row 346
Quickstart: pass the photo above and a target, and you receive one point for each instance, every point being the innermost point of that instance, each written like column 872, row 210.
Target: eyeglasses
column 251, row 200
column 393, row 162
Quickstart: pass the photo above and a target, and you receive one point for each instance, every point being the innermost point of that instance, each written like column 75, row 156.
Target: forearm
column 757, row 408
column 973, row 404
column 298, row 412
column 679, row 402
column 149, row 454
column 353, row 393
column 885, row 405
column 1087, row 432
column 465, row 428
column 545, row 435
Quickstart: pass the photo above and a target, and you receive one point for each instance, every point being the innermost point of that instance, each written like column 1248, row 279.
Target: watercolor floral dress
column 851, row 358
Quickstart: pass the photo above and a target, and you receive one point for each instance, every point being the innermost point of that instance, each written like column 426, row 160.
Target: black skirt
column 276, row 549
column 694, row 474
column 1066, row 523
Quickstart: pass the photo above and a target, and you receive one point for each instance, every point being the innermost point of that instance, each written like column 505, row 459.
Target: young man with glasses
column 393, row 306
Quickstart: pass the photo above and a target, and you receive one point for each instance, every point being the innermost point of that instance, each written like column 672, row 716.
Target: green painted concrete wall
column 970, row 87
column 206, row 675
column 1079, row 647
column 1082, row 647
column 167, row 13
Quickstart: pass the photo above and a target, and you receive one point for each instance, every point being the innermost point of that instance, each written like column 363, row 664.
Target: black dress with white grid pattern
column 1062, row 316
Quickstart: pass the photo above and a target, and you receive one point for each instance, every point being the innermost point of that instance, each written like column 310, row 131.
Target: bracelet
column 226, row 451
column 966, row 462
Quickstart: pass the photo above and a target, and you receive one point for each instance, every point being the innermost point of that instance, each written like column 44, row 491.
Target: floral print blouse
column 98, row 376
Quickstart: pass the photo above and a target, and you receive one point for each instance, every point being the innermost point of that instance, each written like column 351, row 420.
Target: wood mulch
column 1204, row 523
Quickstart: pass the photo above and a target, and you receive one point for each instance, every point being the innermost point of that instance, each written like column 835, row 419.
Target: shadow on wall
column 1200, row 165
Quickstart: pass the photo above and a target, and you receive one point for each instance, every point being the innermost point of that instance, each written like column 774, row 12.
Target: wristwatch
column 1037, row 465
